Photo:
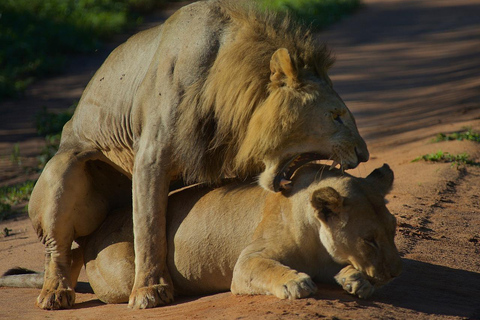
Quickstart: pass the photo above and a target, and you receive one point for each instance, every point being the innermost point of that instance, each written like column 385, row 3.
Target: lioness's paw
column 354, row 282
column 151, row 297
column 56, row 299
column 300, row 287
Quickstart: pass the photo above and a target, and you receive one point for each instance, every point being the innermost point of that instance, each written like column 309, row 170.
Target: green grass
column 52, row 142
column 14, row 195
column 318, row 13
column 465, row 134
column 50, row 125
column 445, row 157
column 15, row 157
column 6, row 232
column 37, row 35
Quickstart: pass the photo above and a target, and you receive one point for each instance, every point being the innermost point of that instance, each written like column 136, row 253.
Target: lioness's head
column 356, row 227
column 301, row 120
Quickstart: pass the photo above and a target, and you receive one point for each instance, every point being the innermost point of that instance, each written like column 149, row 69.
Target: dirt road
column 408, row 70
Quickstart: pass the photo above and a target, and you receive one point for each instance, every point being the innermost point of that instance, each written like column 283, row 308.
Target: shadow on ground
column 434, row 289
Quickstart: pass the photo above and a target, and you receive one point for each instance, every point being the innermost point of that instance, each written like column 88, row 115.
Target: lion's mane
column 214, row 128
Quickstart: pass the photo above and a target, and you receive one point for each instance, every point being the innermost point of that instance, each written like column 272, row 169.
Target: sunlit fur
column 234, row 114
column 240, row 237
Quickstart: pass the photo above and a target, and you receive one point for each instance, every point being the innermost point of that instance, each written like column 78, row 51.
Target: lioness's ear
column 328, row 203
column 282, row 68
column 382, row 179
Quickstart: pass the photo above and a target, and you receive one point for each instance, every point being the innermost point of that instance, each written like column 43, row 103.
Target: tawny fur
column 329, row 226
column 218, row 90
column 238, row 88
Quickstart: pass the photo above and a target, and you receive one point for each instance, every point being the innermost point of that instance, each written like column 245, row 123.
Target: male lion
column 239, row 236
column 217, row 91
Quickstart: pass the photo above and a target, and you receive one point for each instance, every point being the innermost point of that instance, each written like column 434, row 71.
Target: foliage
column 440, row 156
column 52, row 142
column 318, row 13
column 466, row 134
column 36, row 35
column 13, row 195
column 15, row 156
column 48, row 123
column 6, row 232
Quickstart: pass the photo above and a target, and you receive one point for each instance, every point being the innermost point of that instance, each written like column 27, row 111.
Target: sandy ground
column 408, row 70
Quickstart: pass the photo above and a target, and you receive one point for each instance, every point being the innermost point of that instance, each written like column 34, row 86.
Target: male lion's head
column 266, row 104
column 301, row 120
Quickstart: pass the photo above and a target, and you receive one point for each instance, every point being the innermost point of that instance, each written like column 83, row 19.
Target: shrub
column 465, row 134
column 36, row 35
column 440, row 156
column 13, row 195
column 318, row 13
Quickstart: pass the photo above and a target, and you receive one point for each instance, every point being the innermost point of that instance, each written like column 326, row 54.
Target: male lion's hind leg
column 63, row 206
column 354, row 282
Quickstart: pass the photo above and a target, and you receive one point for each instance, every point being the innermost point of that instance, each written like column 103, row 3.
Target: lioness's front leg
column 152, row 286
column 354, row 282
column 256, row 274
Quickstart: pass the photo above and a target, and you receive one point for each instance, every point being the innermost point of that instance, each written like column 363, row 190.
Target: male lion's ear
column 382, row 179
column 328, row 203
column 282, row 68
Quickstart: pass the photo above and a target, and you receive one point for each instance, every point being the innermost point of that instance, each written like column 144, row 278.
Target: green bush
column 446, row 157
column 466, row 134
column 318, row 13
column 36, row 35
column 13, row 195
column 48, row 123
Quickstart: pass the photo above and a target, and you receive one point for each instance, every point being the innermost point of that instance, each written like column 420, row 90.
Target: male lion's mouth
column 283, row 177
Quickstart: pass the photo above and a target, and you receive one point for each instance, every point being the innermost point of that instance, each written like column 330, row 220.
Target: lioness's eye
column 371, row 242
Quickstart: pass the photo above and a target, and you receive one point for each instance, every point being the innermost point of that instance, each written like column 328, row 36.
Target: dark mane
column 215, row 113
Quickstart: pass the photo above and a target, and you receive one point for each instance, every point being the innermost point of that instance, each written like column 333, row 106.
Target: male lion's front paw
column 300, row 286
column 151, row 297
column 56, row 299
column 354, row 282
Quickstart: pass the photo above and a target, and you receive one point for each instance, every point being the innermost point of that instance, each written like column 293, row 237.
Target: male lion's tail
column 22, row 278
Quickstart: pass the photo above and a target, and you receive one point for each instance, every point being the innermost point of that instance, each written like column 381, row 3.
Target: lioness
column 218, row 90
column 241, row 237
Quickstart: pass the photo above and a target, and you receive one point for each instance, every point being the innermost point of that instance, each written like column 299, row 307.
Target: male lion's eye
column 337, row 118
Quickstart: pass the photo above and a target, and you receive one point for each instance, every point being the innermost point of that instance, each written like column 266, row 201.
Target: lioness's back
column 206, row 264
column 202, row 245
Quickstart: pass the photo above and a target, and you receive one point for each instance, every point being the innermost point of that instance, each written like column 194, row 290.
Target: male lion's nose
column 362, row 155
